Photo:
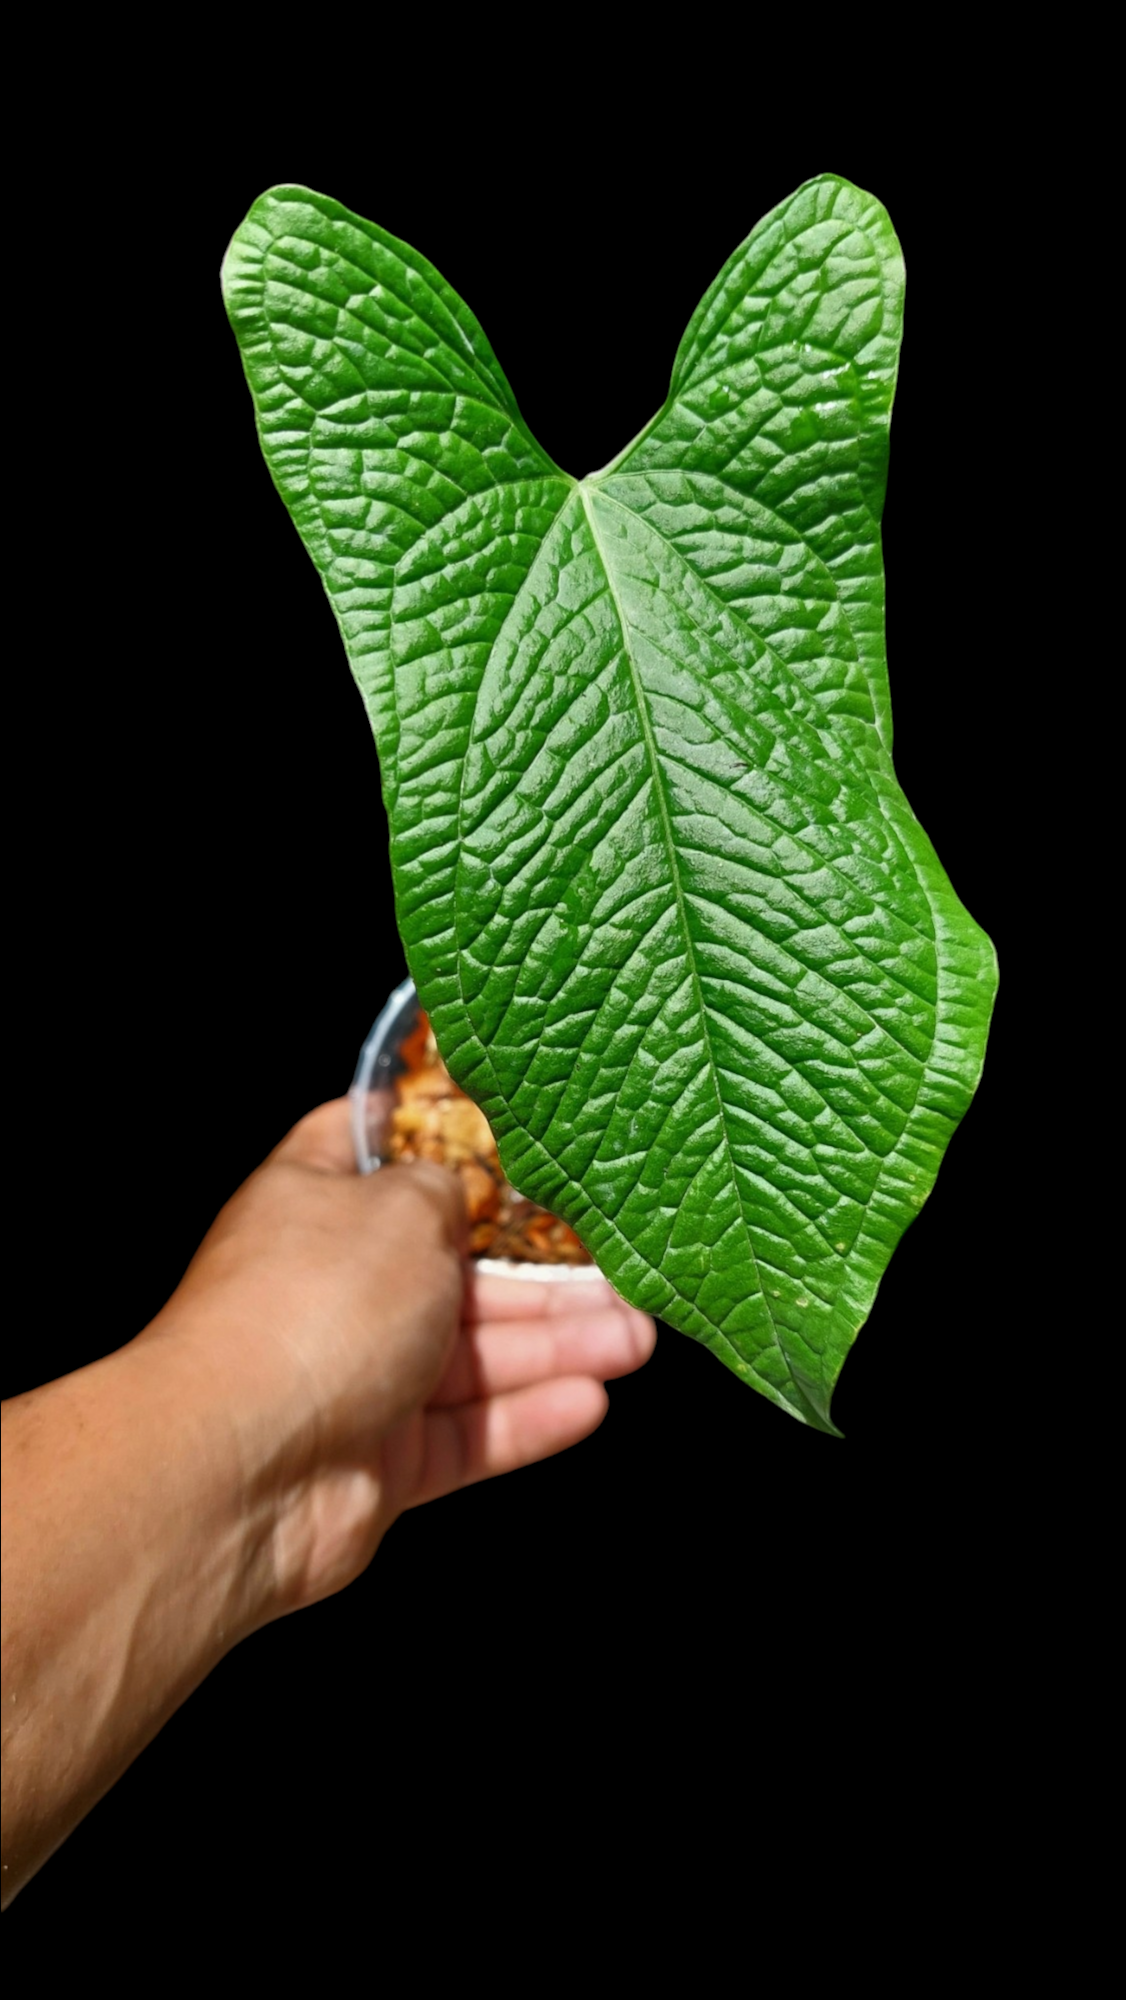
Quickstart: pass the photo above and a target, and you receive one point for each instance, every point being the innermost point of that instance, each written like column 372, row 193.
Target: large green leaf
column 674, row 921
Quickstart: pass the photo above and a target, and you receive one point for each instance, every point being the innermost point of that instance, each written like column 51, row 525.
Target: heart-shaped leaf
column 675, row 924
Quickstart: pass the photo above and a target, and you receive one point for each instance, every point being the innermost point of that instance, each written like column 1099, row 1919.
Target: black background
column 210, row 939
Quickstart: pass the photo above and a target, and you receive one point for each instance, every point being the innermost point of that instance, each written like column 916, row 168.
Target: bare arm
column 324, row 1365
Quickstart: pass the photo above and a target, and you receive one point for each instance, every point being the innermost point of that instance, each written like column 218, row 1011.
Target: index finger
column 491, row 1298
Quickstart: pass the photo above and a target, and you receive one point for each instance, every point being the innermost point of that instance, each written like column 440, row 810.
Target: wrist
column 225, row 1454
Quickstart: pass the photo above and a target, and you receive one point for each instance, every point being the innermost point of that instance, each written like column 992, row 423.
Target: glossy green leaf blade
column 676, row 926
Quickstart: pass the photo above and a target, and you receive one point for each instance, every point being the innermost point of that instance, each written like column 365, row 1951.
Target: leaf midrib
column 674, row 872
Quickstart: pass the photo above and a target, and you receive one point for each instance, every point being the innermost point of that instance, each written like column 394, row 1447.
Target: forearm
column 141, row 1561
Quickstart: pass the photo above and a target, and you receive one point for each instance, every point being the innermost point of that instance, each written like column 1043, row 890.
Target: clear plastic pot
column 373, row 1101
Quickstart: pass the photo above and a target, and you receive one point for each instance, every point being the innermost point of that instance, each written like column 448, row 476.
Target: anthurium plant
column 671, row 916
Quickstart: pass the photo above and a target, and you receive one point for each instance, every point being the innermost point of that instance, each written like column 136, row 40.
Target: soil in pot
column 434, row 1120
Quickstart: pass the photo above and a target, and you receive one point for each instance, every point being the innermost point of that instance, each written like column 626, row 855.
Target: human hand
column 369, row 1368
column 326, row 1362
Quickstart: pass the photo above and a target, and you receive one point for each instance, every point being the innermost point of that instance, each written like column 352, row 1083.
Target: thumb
column 322, row 1139
column 423, row 1190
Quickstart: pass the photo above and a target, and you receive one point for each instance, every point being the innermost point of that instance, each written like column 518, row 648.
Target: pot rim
column 376, row 1057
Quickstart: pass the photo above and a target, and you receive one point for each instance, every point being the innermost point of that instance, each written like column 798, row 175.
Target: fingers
column 489, row 1298
column 480, row 1440
column 494, row 1360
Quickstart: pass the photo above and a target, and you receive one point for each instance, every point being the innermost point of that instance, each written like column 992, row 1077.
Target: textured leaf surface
column 674, row 921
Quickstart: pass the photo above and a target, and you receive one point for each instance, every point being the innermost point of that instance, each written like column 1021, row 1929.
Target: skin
column 328, row 1361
